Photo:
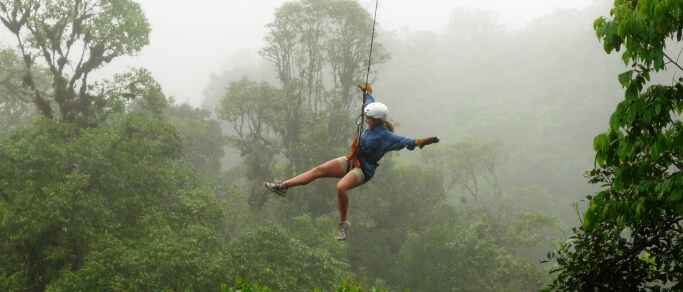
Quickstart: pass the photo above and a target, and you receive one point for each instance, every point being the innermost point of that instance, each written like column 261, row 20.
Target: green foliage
column 353, row 287
column 452, row 256
column 11, row 87
column 382, row 212
column 135, row 83
column 403, row 219
column 642, row 28
column 113, row 203
column 468, row 166
column 107, row 203
column 515, row 223
column 319, row 49
column 162, row 259
column 71, row 40
column 401, row 200
column 241, row 286
column 271, row 256
column 543, row 101
column 15, row 114
column 638, row 210
column 635, row 159
column 250, row 108
column 603, row 259
column 205, row 141
column 315, row 233
column 16, row 109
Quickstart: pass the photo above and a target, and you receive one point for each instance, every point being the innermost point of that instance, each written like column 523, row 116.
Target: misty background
column 517, row 90
column 207, row 37
column 530, row 74
column 518, row 61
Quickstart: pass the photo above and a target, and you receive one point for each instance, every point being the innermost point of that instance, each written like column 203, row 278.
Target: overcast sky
column 190, row 40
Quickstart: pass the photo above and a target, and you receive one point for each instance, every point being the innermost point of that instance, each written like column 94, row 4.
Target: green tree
column 384, row 210
column 473, row 168
column 250, row 108
column 271, row 256
column 470, row 166
column 630, row 235
column 552, row 91
column 71, row 39
column 410, row 235
column 319, row 49
column 241, row 286
column 114, row 203
column 14, row 114
column 16, row 108
column 452, row 254
column 203, row 135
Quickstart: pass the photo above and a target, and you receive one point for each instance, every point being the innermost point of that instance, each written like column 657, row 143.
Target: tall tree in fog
column 16, row 107
column 250, row 108
column 205, row 144
column 73, row 39
column 320, row 50
column 469, row 167
column 92, row 197
column 631, row 234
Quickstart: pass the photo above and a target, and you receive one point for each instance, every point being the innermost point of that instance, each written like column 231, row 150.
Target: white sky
column 192, row 39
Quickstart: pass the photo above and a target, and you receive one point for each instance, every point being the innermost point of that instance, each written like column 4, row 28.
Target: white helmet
column 376, row 110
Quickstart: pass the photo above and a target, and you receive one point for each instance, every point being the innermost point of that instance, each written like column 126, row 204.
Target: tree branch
column 609, row 267
column 672, row 61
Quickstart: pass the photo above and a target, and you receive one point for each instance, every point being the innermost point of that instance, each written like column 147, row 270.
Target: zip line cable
column 359, row 124
column 372, row 40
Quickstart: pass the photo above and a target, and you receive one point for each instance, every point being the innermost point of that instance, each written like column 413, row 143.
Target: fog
column 190, row 41
column 520, row 56
column 519, row 87
column 541, row 84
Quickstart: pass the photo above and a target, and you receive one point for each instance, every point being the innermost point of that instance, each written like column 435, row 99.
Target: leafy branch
column 609, row 266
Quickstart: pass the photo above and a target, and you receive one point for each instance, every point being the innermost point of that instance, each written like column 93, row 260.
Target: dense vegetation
column 630, row 235
column 111, row 185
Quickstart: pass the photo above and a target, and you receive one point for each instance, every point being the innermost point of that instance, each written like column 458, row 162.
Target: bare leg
column 331, row 168
column 349, row 181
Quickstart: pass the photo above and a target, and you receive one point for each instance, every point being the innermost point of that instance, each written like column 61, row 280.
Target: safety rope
column 359, row 120
column 372, row 40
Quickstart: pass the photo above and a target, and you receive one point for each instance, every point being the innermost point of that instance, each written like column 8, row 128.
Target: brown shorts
column 359, row 173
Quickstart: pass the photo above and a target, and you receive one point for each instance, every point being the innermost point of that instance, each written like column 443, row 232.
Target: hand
column 426, row 141
column 366, row 88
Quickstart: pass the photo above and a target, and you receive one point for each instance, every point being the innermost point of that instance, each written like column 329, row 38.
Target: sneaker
column 343, row 230
column 277, row 187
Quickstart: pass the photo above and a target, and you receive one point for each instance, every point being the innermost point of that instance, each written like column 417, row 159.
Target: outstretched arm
column 422, row 142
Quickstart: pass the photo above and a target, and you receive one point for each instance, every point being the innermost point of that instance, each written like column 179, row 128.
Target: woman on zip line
column 358, row 167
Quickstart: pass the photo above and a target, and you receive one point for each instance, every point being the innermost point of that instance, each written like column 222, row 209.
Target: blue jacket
column 377, row 142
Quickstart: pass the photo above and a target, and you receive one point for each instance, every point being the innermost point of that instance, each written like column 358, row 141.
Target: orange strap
column 352, row 157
